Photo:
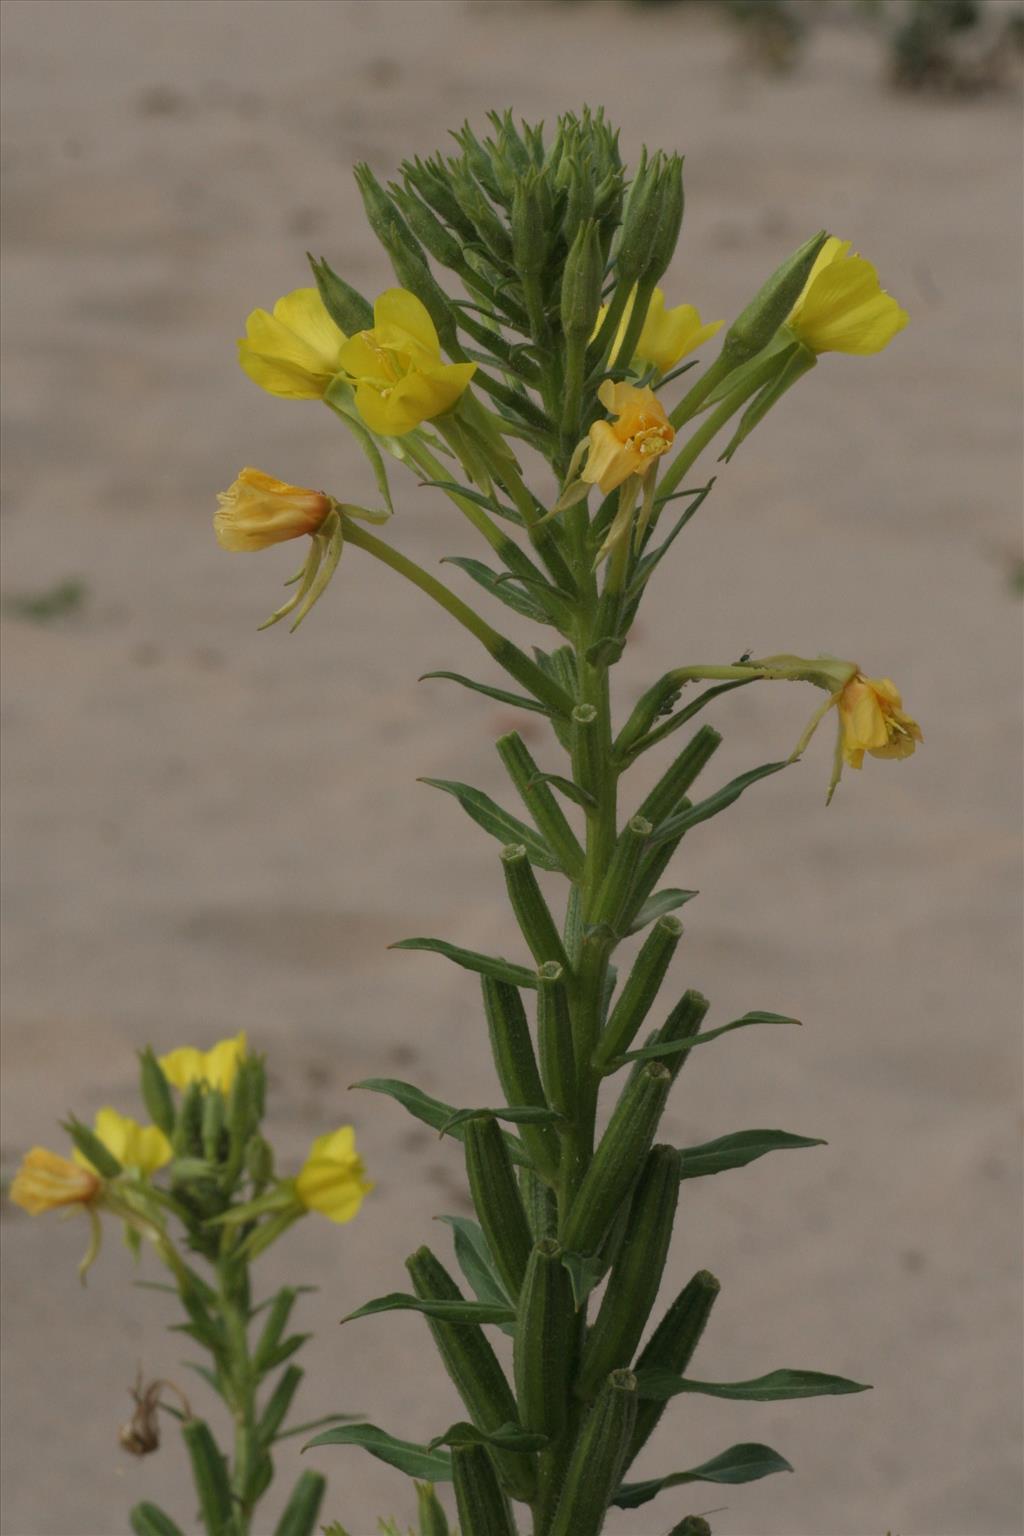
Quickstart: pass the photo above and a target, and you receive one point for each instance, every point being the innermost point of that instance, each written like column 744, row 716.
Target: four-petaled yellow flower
column 142, row 1147
column 668, row 335
column 640, row 433
column 333, row 1179
column 257, row 511
column 215, row 1068
column 843, row 307
column 45, row 1181
column 295, row 351
column 396, row 367
column 872, row 719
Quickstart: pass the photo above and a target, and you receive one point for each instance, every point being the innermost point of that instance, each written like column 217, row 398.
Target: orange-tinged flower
column 333, row 1179
column 872, row 720
column 843, row 307
column 629, row 445
column 257, row 511
column 46, row 1181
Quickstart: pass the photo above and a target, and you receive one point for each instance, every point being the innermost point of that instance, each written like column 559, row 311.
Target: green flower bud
column 213, row 1125
column 754, row 328
column 669, row 203
column 156, row 1091
column 259, row 1160
column 531, row 224
column 347, row 308
column 581, row 283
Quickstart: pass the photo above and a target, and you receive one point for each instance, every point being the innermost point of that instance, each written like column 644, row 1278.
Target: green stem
column 499, row 646
column 240, row 1386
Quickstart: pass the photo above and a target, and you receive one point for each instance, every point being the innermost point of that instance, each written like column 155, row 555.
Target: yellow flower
column 45, row 1181
column 843, row 307
column 871, row 719
column 295, row 351
column 629, row 444
column 668, row 335
column 397, row 370
column 333, row 1180
column 257, row 511
column 144, row 1147
column 215, row 1068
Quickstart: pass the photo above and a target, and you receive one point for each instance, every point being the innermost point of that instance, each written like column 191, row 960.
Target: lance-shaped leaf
column 516, row 1114
column 517, row 700
column 433, row 1112
column 444, row 1311
column 737, row 1150
column 507, row 1437
column 778, row 1386
column 678, row 1047
column 739, row 1464
column 513, row 597
column 482, row 500
column 586, row 1270
column 675, row 826
column 475, row 1261
column 470, row 960
column 568, row 787
column 499, row 823
column 657, row 905
column 414, row 1460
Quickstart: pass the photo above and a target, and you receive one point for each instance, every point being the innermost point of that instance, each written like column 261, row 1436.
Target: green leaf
column 149, row 1520
column 513, row 597
column 444, row 1311
column 659, row 1385
column 490, row 502
column 676, row 1047
column 675, row 826
column 737, row 1150
column 507, row 1437
column 585, row 1271
column 657, row 905
column 414, row 1460
column 568, row 788
column 475, row 1261
column 517, row 700
column 486, row 965
column 739, row 1464
column 433, row 1112
column 499, row 823
column 517, row 1114
column 645, row 567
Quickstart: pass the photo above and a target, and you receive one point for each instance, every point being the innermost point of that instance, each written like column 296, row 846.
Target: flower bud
column 640, row 221
column 581, row 282
column 347, row 308
column 754, row 328
column 531, row 224
column 669, row 204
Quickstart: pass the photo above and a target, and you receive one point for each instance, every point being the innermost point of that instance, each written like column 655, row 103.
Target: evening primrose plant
column 528, row 314
column 198, row 1186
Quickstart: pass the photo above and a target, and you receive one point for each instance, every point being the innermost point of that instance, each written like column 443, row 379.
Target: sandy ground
column 209, row 828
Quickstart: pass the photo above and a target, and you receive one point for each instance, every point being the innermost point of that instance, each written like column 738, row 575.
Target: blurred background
column 209, row 829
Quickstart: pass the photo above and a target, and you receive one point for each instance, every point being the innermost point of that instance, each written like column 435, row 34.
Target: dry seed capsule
column 545, row 1342
column 636, row 1273
column 598, row 1459
column 474, row 1368
column 499, row 1205
column 619, row 1158
column 512, row 1048
column 671, row 1347
column 483, row 1508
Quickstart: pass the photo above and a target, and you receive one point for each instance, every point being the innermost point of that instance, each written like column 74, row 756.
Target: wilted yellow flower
column 843, row 307
column 668, row 335
column 396, row 367
column 144, row 1147
column 333, row 1179
column 45, row 1181
column 215, row 1068
column 257, row 511
column 872, row 720
column 628, row 445
column 295, row 351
